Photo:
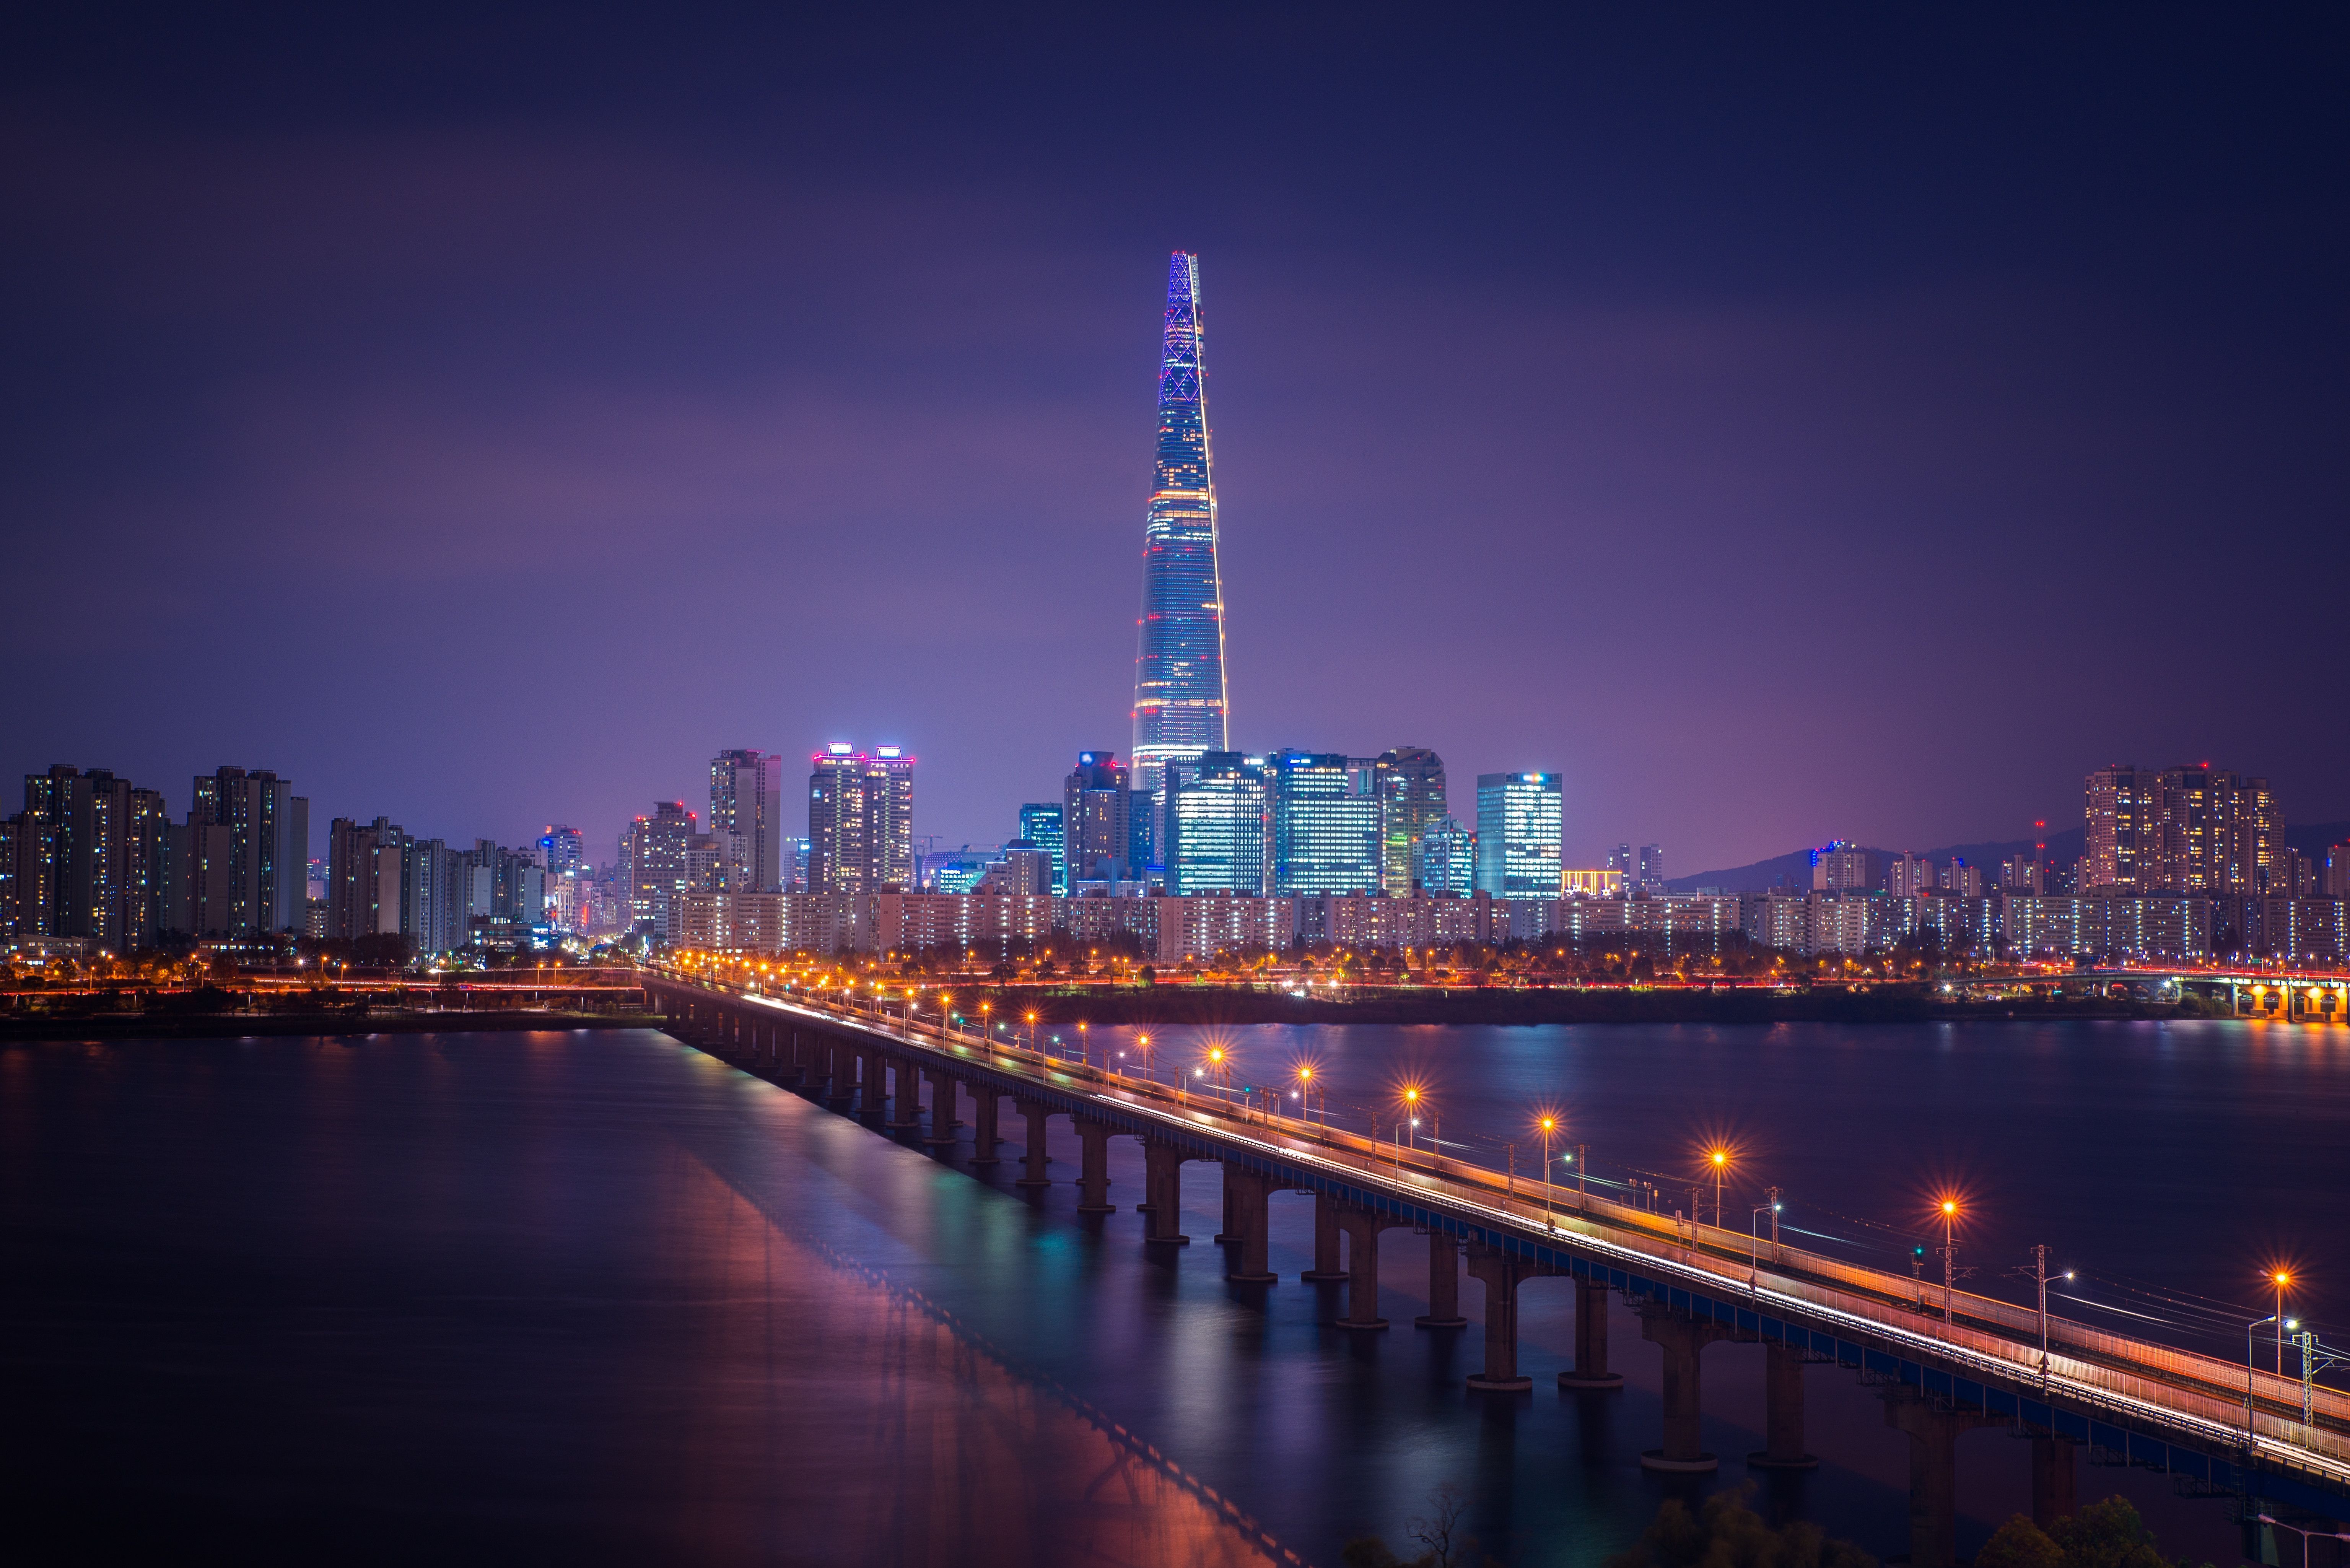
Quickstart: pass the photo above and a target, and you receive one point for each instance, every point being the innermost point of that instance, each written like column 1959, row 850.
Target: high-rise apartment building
column 1838, row 867
column 269, row 829
column 2186, row 829
column 1909, row 875
column 1446, row 860
column 1650, row 870
column 1219, row 814
column 367, row 877
column 1097, row 819
column 654, row 853
column 562, row 851
column 746, row 818
column 2123, row 850
column 1521, row 823
column 1178, row 666
column 861, row 820
column 1410, row 785
column 1326, row 834
column 88, row 857
column 1040, row 825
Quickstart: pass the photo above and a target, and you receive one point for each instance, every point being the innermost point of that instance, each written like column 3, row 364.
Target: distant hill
column 1795, row 870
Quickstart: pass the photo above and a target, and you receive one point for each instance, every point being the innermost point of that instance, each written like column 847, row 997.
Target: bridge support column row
column 905, row 1099
column 1443, row 1283
column 987, row 1099
column 1933, row 1473
column 1093, row 1169
column 1362, row 1228
column 1163, row 1185
column 1248, row 1219
column 942, row 1109
column 1783, row 1411
column 1590, row 1370
column 1680, row 1339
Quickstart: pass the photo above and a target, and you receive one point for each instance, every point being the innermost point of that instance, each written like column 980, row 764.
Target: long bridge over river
column 2274, row 1444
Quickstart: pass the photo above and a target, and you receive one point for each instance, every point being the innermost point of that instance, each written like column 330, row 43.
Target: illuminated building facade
column 1520, row 823
column 656, row 848
column 1325, row 824
column 746, row 819
column 1178, row 666
column 1410, row 781
column 1446, row 860
column 562, row 850
column 1041, row 825
column 1219, row 814
column 861, row 820
column 1097, row 821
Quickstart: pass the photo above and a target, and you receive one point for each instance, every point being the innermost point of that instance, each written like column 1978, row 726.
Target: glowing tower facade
column 1178, row 665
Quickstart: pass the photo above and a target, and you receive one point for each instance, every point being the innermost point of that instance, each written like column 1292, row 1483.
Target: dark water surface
column 601, row 1297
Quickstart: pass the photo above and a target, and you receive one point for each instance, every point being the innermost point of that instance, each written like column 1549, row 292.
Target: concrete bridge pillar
column 987, row 1099
column 1163, row 1184
column 1680, row 1339
column 1501, row 1275
column 942, row 1109
column 1326, row 1265
column 869, row 1082
column 1247, row 1206
column 1362, row 1228
column 2054, row 1478
column 1093, row 1169
column 1783, row 1411
column 905, row 1097
column 1590, row 1370
column 1933, row 1473
column 841, row 1073
column 1443, row 1283
column 1033, row 1112
column 797, row 1066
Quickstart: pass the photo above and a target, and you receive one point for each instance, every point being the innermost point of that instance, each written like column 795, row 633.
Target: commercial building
column 1326, row 834
column 1446, row 860
column 861, row 820
column 1179, row 668
column 562, row 850
column 1096, row 803
column 653, row 854
column 1409, row 781
column 1219, row 811
column 1596, row 882
column 1519, row 826
column 1041, row 825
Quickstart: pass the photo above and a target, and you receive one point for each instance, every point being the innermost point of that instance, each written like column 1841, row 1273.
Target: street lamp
column 1754, row 1240
column 1411, row 1108
column 2249, row 1329
column 2281, row 1279
column 1549, row 1125
column 1144, row 1041
column 2305, row 1535
column 1719, row 1160
column 1304, row 1088
column 1949, row 1208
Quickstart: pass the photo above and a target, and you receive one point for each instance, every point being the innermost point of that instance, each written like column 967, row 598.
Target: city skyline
column 1850, row 483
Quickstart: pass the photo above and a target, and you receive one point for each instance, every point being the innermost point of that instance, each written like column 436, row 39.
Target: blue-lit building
column 562, row 849
column 1218, row 820
column 1521, row 821
column 1446, row 860
column 1040, row 825
column 1325, row 824
column 1179, row 668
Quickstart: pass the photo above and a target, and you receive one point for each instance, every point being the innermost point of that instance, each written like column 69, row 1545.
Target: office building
column 1521, row 822
column 861, row 820
column 1040, row 825
column 747, row 819
column 1446, row 861
column 1411, row 786
column 1327, row 836
column 1097, row 811
column 1179, row 668
column 1218, row 813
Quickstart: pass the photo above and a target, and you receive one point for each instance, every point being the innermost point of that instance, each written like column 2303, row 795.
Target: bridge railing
column 2202, row 1388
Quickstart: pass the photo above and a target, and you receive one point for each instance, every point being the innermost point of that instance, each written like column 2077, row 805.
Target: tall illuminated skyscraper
column 1178, row 665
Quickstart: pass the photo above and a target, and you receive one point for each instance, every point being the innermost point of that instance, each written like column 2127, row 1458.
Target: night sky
column 1852, row 424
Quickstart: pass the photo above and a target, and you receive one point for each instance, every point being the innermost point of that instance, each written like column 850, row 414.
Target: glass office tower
column 1519, row 822
column 1325, row 824
column 1217, row 812
column 1178, row 665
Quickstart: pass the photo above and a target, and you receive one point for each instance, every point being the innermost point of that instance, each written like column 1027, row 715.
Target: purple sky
column 1840, row 426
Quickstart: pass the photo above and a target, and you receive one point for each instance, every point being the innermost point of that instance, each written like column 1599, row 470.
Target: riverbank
column 238, row 1025
column 1206, row 1004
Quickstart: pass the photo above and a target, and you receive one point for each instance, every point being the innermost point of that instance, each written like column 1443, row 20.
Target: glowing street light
column 2283, row 1280
column 1948, row 1207
column 1719, row 1157
column 1549, row 1125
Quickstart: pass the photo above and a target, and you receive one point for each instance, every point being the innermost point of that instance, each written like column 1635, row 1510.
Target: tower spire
column 1178, row 666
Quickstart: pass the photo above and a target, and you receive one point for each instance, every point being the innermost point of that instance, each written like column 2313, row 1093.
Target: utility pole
column 2040, row 1277
column 1582, row 1179
column 1514, row 1170
column 1773, row 1195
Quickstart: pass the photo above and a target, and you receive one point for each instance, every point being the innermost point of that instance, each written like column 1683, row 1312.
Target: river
column 599, row 1296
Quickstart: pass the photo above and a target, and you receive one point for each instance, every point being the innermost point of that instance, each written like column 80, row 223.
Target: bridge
column 2276, row 1445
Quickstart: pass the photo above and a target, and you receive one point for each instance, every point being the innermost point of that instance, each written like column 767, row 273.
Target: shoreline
column 236, row 1025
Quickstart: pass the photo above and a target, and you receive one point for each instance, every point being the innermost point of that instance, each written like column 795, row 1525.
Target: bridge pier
column 942, row 1109
column 1093, row 1167
column 1248, row 1195
column 1680, row 1339
column 1501, row 1275
column 1443, row 1283
column 1933, row 1473
column 1163, row 1182
column 1363, row 1228
column 1033, row 1113
column 1783, row 1411
column 1590, row 1371
column 905, row 1098
column 876, row 1087
column 989, row 1100
column 840, row 1075
column 1326, row 1265
column 2053, row 1476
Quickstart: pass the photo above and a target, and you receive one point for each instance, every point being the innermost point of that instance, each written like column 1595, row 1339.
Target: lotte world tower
column 1179, row 664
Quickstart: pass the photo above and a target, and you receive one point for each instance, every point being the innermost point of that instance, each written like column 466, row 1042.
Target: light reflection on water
column 602, row 1294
